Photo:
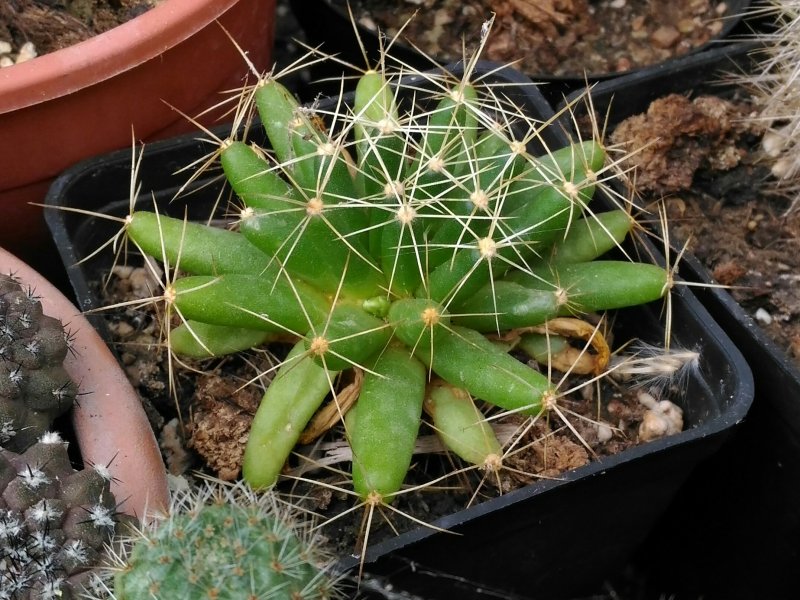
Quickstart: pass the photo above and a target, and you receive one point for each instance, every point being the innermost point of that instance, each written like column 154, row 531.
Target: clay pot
column 87, row 99
column 109, row 423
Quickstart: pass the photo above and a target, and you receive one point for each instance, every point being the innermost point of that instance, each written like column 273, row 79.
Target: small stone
column 124, row 329
column 715, row 27
column 661, row 418
column 368, row 23
column 604, row 432
column 763, row 317
column 623, row 64
column 773, row 143
column 795, row 346
column 686, row 25
column 617, row 3
column 783, row 168
column 665, row 36
column 26, row 52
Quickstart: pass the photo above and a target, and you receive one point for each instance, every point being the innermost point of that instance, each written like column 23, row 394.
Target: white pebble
column 26, row 52
column 604, row 432
column 660, row 419
column 762, row 316
column 783, row 168
column 652, row 427
column 773, row 143
column 617, row 3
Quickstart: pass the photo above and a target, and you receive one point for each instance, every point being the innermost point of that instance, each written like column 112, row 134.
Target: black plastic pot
column 327, row 23
column 744, row 503
column 547, row 540
column 628, row 95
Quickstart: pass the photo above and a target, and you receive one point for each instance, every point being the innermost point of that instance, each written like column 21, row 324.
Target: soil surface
column 706, row 166
column 36, row 27
column 554, row 37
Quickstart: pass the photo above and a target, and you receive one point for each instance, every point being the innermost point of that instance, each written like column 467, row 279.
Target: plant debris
column 677, row 136
column 704, row 163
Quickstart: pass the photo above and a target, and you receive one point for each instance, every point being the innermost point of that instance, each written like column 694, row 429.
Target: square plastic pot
column 745, row 503
column 546, row 540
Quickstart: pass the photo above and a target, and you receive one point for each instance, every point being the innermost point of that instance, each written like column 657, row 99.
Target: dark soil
column 51, row 25
column 706, row 167
column 553, row 37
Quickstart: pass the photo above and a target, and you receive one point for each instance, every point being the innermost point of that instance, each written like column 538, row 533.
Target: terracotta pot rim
column 99, row 58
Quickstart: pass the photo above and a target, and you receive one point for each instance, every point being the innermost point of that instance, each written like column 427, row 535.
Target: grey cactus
column 54, row 521
column 34, row 387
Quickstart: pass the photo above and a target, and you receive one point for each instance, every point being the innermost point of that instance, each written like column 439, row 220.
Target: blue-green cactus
column 226, row 543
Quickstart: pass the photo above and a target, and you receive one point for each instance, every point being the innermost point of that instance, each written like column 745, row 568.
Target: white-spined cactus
column 220, row 541
column 54, row 521
column 775, row 88
column 34, row 387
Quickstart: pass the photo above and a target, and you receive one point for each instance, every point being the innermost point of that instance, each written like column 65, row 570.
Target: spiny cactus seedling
column 34, row 387
column 54, row 521
column 776, row 92
column 396, row 231
column 224, row 542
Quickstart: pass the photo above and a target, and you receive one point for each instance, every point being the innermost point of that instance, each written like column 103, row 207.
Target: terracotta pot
column 84, row 100
column 109, row 423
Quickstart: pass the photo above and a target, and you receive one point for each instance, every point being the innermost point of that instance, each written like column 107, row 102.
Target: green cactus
column 54, row 521
column 223, row 542
column 395, row 241
column 34, row 387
